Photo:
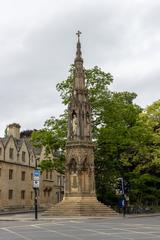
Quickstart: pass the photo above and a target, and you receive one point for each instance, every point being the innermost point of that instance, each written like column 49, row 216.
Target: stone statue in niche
column 74, row 123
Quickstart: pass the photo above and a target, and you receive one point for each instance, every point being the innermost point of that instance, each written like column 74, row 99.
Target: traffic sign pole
column 35, row 203
column 123, row 195
column 36, row 179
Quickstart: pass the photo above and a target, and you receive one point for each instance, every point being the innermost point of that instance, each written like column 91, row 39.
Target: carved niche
column 74, row 123
column 73, row 175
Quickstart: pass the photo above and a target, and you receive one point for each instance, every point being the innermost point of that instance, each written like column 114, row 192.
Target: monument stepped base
column 80, row 206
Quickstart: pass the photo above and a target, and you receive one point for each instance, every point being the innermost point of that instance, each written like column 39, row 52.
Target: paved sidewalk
column 31, row 217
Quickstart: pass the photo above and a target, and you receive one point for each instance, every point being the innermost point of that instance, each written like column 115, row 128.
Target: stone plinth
column 80, row 206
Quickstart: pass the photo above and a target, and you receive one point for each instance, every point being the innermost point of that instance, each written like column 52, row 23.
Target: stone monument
column 80, row 195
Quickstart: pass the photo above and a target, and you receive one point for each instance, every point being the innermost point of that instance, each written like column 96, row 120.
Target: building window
column 0, row 151
column 10, row 194
column 23, row 156
column 23, row 194
column 31, row 176
column 11, row 151
column 10, row 174
column 23, row 175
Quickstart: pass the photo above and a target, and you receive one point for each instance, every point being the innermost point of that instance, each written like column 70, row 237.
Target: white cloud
column 37, row 45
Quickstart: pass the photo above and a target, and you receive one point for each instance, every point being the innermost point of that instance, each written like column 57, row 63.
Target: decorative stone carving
column 74, row 123
column 73, row 166
column 79, row 148
column 80, row 197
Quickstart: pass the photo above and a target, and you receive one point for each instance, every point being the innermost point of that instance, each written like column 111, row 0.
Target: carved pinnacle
column 78, row 34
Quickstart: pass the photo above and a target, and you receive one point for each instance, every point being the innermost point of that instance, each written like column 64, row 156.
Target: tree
column 147, row 171
column 140, row 159
column 97, row 82
column 116, row 141
column 127, row 138
column 112, row 115
column 53, row 135
column 53, row 138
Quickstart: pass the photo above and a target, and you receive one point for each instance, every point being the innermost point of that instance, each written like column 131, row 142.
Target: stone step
column 80, row 210
column 80, row 214
column 54, row 213
column 80, row 207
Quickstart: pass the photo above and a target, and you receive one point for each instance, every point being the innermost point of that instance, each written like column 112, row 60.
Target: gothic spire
column 78, row 52
column 79, row 81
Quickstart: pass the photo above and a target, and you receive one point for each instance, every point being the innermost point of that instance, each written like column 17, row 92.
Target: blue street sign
column 36, row 173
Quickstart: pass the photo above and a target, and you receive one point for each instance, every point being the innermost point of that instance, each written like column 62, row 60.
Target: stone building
column 17, row 161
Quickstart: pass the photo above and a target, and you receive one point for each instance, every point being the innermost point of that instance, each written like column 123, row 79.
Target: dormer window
column 11, row 151
column 23, row 156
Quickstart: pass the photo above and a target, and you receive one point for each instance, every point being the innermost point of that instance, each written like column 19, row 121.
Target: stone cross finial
column 78, row 34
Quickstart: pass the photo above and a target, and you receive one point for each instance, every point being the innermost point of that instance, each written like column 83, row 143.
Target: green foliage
column 97, row 83
column 127, row 139
column 53, row 163
column 46, row 165
column 27, row 133
column 116, row 139
column 53, row 138
column 5, row 132
column 148, row 155
column 53, row 135
column 140, row 163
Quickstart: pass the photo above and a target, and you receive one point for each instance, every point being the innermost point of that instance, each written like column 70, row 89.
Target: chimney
column 14, row 130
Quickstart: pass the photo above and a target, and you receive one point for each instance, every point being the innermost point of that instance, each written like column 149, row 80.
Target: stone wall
column 17, row 163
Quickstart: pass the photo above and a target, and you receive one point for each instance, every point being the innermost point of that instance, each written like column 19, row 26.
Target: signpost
column 36, row 179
